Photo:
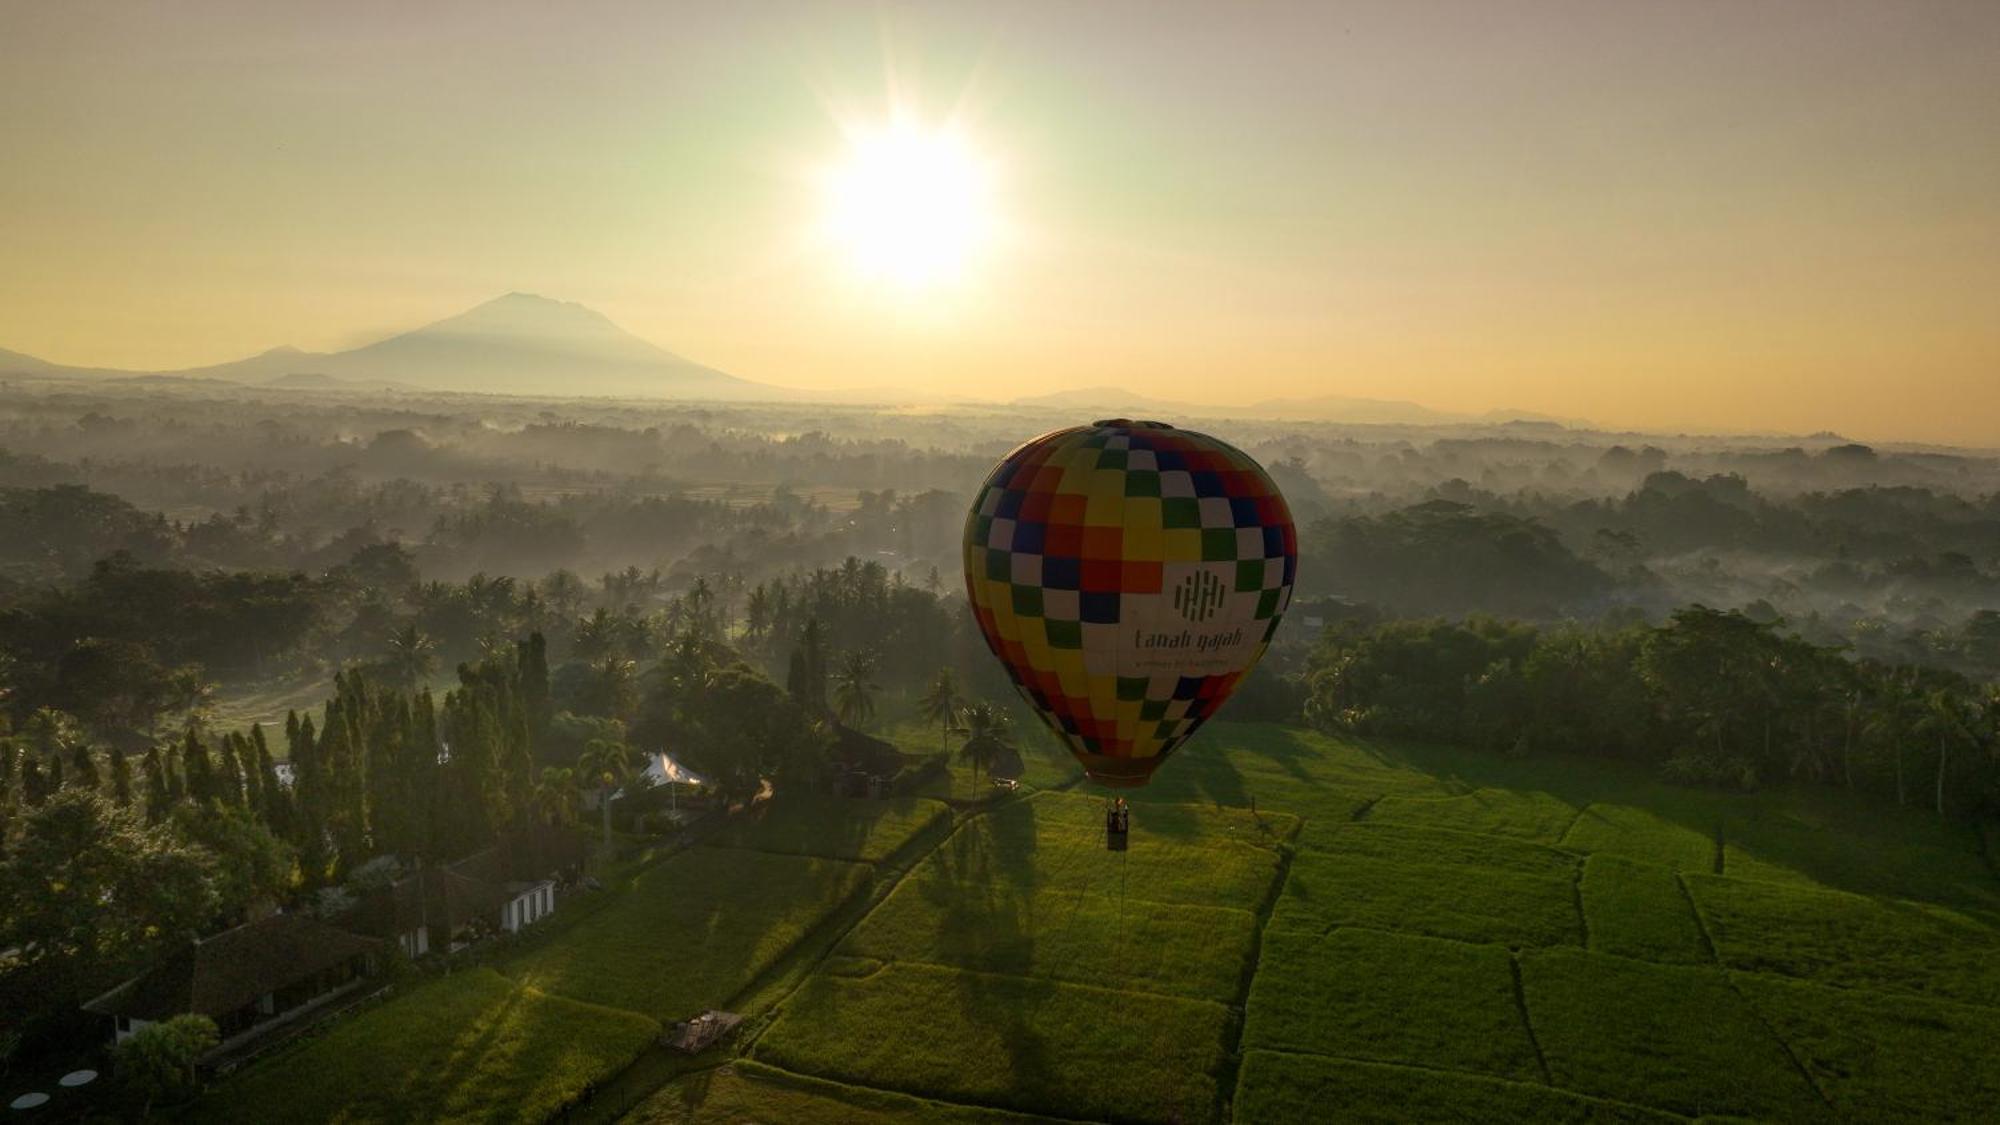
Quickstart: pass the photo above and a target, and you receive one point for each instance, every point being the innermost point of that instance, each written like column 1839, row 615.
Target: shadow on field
column 470, row 1048
column 1005, row 1004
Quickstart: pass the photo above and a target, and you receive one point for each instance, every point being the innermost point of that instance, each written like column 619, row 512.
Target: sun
column 909, row 206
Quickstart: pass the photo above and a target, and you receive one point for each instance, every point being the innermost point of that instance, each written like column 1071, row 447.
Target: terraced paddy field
column 1302, row 929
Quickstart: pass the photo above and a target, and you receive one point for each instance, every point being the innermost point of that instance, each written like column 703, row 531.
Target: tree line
column 1709, row 697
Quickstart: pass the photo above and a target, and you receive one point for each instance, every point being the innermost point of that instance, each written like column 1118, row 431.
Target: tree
column 603, row 766
column 988, row 736
column 412, row 656
column 87, row 888
column 806, row 678
column 941, row 703
column 555, row 796
column 157, row 1062
column 854, row 688
column 740, row 730
column 1945, row 719
column 250, row 864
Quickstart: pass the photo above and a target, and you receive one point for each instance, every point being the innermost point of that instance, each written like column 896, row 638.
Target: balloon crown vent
column 1129, row 424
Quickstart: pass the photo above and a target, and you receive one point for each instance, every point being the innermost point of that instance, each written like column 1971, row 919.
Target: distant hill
column 1111, row 401
column 520, row 343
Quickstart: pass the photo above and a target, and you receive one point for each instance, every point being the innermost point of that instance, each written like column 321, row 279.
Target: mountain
column 524, row 343
column 15, row 363
column 517, row 344
column 1347, row 408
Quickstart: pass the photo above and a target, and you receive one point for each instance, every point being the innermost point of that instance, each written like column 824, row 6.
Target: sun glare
column 909, row 206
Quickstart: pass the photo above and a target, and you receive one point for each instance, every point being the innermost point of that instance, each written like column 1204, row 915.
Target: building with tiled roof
column 273, row 969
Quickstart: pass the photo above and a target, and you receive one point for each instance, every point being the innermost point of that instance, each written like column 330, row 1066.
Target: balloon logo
column 1129, row 575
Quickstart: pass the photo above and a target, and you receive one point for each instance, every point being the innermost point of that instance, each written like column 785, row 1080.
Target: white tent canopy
column 661, row 768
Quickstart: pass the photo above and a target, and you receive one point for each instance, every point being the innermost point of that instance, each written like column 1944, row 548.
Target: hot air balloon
column 1129, row 575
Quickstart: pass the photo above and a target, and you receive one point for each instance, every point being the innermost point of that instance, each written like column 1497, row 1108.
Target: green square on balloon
column 999, row 564
column 1180, row 512
column 1218, row 544
column 1027, row 601
column 1250, row 576
column 1063, row 634
column 1267, row 604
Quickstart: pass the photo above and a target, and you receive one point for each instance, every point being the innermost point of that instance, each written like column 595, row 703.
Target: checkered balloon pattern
column 1129, row 575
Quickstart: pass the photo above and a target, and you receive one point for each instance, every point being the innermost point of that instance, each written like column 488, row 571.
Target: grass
column 1639, row 910
column 1837, row 842
column 1462, row 902
column 1526, row 814
column 1850, row 940
column 1281, row 1087
column 693, row 931
column 1082, row 937
column 1440, row 847
column 1035, row 1046
column 1668, row 1036
column 1636, row 832
column 1887, row 1058
column 1286, row 769
column 1178, row 853
column 747, row 1091
column 833, row 827
column 1360, row 994
column 472, row 1046
column 1029, row 889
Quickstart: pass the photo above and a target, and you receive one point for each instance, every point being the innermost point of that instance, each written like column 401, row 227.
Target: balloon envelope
column 1128, row 574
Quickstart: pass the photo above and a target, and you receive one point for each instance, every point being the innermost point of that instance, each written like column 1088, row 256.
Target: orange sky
column 1734, row 216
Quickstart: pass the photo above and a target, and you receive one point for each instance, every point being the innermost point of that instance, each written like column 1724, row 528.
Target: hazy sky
column 1725, row 214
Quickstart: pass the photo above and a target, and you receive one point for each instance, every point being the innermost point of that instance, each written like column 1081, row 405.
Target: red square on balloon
column 1139, row 578
column 1103, row 576
column 1103, row 542
column 1062, row 540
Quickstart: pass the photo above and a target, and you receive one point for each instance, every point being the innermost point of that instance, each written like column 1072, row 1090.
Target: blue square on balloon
column 1243, row 510
column 1291, row 568
column 1062, row 573
column 1188, row 688
column 1010, row 504
column 1028, row 537
column 1207, row 482
column 1170, row 459
column 1274, row 541
column 1097, row 608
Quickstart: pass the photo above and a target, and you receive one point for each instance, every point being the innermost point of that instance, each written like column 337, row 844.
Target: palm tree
column 1944, row 718
column 603, row 766
column 192, row 695
column 941, row 704
column 988, row 735
column 413, row 654
column 596, row 636
column 554, row 796
column 618, row 685
column 854, row 688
